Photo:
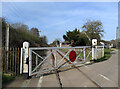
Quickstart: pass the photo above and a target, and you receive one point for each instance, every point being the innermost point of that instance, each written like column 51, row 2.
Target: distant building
column 107, row 44
column 118, row 33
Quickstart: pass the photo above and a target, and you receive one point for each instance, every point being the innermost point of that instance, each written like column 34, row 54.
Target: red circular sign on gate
column 72, row 56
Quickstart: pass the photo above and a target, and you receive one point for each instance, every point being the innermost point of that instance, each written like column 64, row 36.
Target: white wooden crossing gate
column 40, row 60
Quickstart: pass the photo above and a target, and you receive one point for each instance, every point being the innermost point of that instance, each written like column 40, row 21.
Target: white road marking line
column 104, row 77
column 87, row 67
column 40, row 81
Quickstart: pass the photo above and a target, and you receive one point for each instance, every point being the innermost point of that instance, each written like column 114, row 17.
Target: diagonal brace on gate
column 42, row 62
column 67, row 60
column 64, row 57
column 42, row 58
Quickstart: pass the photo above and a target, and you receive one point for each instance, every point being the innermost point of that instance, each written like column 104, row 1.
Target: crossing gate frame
column 55, row 65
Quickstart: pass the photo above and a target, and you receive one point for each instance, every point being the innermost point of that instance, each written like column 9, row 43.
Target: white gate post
column 60, row 44
column 21, row 61
column 94, row 43
column 30, row 62
column 26, row 58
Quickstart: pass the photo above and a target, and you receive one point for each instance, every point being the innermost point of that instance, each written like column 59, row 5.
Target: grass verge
column 7, row 78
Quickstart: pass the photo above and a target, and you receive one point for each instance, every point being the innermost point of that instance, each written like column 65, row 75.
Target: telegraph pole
column 7, row 37
column 7, row 42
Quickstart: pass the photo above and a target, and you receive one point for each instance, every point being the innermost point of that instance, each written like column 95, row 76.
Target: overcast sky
column 53, row 19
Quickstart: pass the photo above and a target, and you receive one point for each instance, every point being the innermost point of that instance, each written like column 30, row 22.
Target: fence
column 11, row 60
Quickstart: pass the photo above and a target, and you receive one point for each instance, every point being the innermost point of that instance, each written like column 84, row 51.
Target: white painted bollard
column 25, row 58
column 26, row 49
column 94, row 43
